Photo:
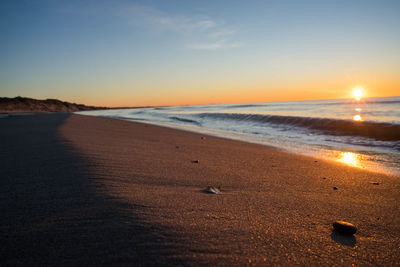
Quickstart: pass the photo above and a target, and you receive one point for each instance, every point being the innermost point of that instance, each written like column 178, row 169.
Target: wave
column 247, row 105
column 362, row 102
column 138, row 112
column 185, row 120
column 383, row 102
column 124, row 118
column 376, row 130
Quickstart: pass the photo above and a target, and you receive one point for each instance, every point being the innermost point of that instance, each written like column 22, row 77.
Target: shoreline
column 130, row 192
column 359, row 160
column 207, row 133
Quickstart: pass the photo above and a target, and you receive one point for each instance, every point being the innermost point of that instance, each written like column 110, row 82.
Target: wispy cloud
column 198, row 32
column 222, row 33
column 214, row 45
column 158, row 20
column 194, row 31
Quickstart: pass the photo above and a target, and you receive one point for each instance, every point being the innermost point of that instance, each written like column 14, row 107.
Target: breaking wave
column 185, row 120
column 376, row 130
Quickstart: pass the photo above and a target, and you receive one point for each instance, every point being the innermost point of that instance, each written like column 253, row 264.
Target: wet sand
column 80, row 190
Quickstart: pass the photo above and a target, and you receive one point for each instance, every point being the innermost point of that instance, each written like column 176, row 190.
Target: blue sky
column 184, row 52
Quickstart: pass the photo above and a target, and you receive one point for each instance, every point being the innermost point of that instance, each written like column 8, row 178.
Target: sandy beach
column 81, row 190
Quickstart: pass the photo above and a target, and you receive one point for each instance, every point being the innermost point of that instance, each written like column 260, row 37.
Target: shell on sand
column 212, row 190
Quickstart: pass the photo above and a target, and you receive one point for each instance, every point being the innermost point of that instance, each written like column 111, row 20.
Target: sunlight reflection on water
column 350, row 158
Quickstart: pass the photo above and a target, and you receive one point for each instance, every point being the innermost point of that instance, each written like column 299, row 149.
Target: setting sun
column 358, row 92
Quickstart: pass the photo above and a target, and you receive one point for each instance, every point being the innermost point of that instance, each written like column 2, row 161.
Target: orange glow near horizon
column 205, row 94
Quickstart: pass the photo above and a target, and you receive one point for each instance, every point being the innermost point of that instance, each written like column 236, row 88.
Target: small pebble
column 195, row 161
column 374, row 183
column 323, row 178
column 177, row 147
column 345, row 227
column 203, row 138
column 335, row 188
column 212, row 190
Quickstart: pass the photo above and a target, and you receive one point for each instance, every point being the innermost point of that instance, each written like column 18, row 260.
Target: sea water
column 363, row 134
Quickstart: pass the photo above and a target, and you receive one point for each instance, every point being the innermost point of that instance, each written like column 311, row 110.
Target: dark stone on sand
column 323, row 178
column 374, row 183
column 315, row 160
column 195, row 161
column 335, row 188
column 212, row 190
column 177, row 147
column 343, row 239
column 203, row 138
column 345, row 227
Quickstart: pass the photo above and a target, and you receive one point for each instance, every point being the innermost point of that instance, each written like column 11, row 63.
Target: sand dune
column 25, row 104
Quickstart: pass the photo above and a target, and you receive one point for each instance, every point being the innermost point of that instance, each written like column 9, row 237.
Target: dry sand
column 80, row 190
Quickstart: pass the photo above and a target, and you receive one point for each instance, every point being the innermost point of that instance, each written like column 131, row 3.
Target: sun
column 358, row 92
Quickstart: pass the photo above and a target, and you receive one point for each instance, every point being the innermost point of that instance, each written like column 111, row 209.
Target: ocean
column 363, row 134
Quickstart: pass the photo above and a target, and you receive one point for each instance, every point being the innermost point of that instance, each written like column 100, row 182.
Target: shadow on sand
column 346, row 240
column 53, row 214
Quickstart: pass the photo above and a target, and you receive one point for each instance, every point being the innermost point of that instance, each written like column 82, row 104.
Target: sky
column 144, row 53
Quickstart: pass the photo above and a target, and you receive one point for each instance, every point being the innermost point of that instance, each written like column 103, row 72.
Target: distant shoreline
column 23, row 104
column 30, row 105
